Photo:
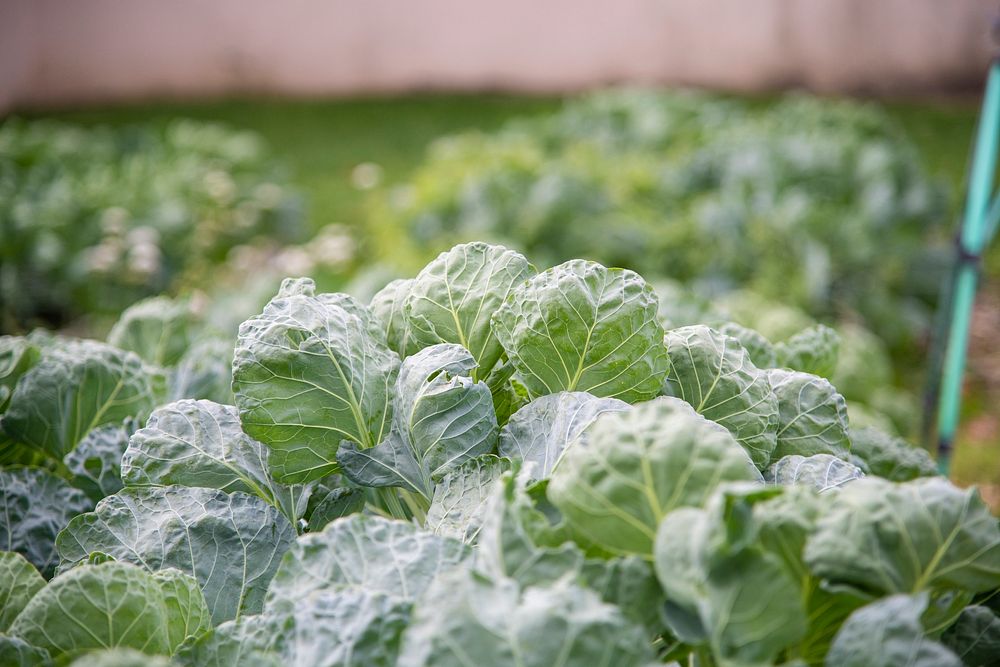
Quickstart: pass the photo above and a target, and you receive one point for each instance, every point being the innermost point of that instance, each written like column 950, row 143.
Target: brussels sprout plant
column 487, row 465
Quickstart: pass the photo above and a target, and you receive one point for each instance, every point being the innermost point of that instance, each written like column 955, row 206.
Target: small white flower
column 366, row 176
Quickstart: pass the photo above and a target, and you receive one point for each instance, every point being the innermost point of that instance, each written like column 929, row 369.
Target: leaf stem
column 417, row 505
column 391, row 502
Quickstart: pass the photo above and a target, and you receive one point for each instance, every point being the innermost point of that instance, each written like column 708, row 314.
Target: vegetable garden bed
column 486, row 465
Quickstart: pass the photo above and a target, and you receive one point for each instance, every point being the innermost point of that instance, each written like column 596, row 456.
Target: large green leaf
column 582, row 327
column 205, row 371
column 16, row 652
column 96, row 462
column 812, row 415
column 975, row 636
column 94, row 607
column 723, row 588
column 76, row 387
column 821, row 472
column 201, row 443
column 444, row 415
column 325, row 629
column 630, row 584
column 813, row 350
column 517, row 541
column 888, row 633
column 759, row 348
column 452, row 299
column 468, row 618
column 17, row 355
column 889, row 456
column 639, row 465
column 337, row 503
column 248, row 641
column 442, row 418
column 308, row 374
column 344, row 628
column 157, row 329
column 540, row 432
column 187, row 611
column 230, row 543
column 906, row 538
column 19, row 581
column 34, row 506
column 388, row 307
column 459, row 503
column 713, row 373
column 363, row 552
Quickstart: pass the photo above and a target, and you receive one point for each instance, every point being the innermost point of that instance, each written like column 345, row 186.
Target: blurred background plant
column 814, row 203
column 94, row 219
column 774, row 212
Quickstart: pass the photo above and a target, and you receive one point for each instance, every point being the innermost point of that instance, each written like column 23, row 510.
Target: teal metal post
column 978, row 225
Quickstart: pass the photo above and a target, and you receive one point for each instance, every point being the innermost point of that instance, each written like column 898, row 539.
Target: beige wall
column 55, row 52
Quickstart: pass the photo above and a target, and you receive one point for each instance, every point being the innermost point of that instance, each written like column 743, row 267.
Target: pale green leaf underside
column 231, row 544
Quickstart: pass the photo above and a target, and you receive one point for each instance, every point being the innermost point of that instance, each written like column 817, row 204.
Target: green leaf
column 187, row 611
column 467, row 614
column 96, row 462
column 821, row 472
column 17, row 356
column 630, row 584
column 76, row 387
column 16, row 652
column 442, row 412
column 723, row 588
column 325, row 629
column 249, row 641
column 713, row 373
column 391, row 463
column 889, row 456
column 443, row 417
column 205, row 371
column 540, row 432
column 887, row 633
column 975, row 636
column 452, row 298
column 230, row 543
column 201, row 444
column 19, row 581
column 813, row 350
column 759, row 348
column 361, row 551
column 95, row 607
column 387, row 307
column 34, row 506
column 812, row 415
column 639, row 465
column 509, row 395
column 906, row 538
column 517, row 541
column 344, row 628
column 308, row 374
column 157, row 329
column 337, row 503
column 459, row 502
column 582, row 327
column 677, row 559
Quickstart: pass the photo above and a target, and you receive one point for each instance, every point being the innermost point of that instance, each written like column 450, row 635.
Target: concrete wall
column 59, row 52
